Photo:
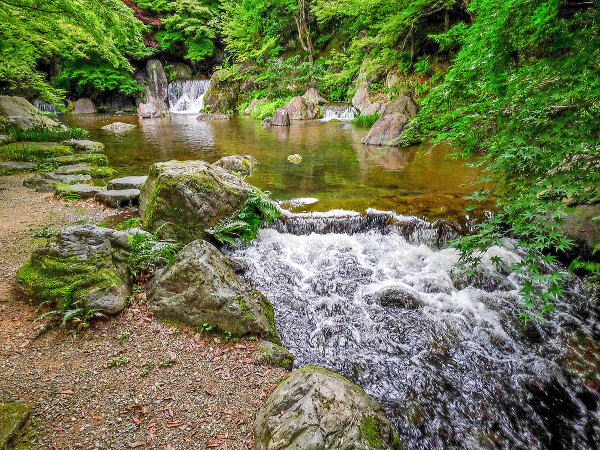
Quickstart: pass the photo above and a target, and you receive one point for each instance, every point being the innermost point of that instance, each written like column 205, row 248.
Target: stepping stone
column 17, row 166
column 97, row 159
column 84, row 190
column 74, row 169
column 117, row 127
column 119, row 198
column 85, row 145
column 127, row 183
column 13, row 417
column 45, row 182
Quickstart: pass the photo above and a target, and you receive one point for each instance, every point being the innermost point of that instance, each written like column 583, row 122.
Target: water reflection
column 336, row 168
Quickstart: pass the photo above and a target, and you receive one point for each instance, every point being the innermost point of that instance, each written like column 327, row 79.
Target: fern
column 148, row 253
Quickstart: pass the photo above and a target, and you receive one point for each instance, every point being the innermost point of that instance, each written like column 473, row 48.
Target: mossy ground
column 33, row 151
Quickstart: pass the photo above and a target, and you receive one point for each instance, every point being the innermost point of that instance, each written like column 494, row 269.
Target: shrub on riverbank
column 366, row 121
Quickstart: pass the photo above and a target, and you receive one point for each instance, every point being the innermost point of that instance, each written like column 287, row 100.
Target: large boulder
column 579, row 226
column 402, row 104
column 239, row 165
column 184, row 198
column 201, row 287
column 387, row 130
column 362, row 101
column 156, row 80
column 152, row 108
column 312, row 95
column 315, row 408
column 22, row 114
column 299, row 108
column 83, row 106
column 84, row 265
column 223, row 93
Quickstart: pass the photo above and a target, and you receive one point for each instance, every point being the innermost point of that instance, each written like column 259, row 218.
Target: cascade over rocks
column 201, row 287
column 243, row 165
column 22, row 114
column 315, row 408
column 83, row 262
column 184, row 198
column 83, row 106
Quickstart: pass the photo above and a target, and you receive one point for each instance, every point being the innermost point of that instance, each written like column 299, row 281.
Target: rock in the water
column 295, row 158
column 134, row 182
column 202, row 287
column 222, row 95
column 387, row 130
column 242, row 165
column 83, row 106
column 157, row 80
column 22, row 114
column 398, row 297
column 185, row 198
column 153, row 108
column 119, row 198
column 271, row 354
column 312, row 95
column 85, row 145
column 45, row 182
column 13, row 417
column 280, row 118
column 117, row 127
column 213, row 116
column 299, row 109
column 402, row 104
column 82, row 190
column 17, row 166
column 74, row 169
column 314, row 408
column 83, row 265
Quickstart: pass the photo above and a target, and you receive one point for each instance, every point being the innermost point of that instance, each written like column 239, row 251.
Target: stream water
column 377, row 298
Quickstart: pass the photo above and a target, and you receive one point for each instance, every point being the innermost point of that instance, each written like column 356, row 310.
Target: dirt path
column 128, row 382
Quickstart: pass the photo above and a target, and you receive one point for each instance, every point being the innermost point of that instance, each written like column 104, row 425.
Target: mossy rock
column 13, row 417
column 185, row 198
column 33, row 151
column 274, row 355
column 96, row 159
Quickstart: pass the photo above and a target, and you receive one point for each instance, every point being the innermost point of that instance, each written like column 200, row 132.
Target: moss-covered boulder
column 271, row 354
column 22, row 114
column 238, row 165
column 315, row 408
column 184, row 198
column 83, row 266
column 201, row 287
column 13, row 417
column 222, row 95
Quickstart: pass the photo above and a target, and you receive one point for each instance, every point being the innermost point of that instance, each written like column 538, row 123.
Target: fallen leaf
column 136, row 444
column 67, row 392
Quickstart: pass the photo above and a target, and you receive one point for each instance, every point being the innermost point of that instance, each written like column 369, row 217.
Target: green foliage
column 61, row 31
column 103, row 172
column 148, row 253
column 522, row 95
column 65, row 192
column 132, row 222
column 45, row 134
column 366, row 121
column 117, row 361
column 45, row 232
column 268, row 108
column 87, row 77
column 25, row 151
column 244, row 225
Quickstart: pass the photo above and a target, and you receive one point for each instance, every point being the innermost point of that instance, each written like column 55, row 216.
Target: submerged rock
column 274, row 355
column 22, row 114
column 184, row 198
column 118, row 198
column 202, row 287
column 134, row 182
column 386, row 130
column 242, row 165
column 83, row 106
column 117, row 127
column 315, row 408
column 13, row 417
column 85, row 145
column 84, row 265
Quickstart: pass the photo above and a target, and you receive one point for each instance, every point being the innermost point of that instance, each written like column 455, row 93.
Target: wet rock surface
column 243, row 165
column 118, row 198
column 85, row 145
column 133, row 182
column 117, row 127
column 314, row 408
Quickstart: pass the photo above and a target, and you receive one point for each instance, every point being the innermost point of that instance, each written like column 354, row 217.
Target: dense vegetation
column 514, row 83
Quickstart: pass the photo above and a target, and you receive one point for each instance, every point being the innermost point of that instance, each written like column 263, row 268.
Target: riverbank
column 128, row 382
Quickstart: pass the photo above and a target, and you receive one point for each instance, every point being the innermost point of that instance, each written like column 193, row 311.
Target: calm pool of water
column 336, row 169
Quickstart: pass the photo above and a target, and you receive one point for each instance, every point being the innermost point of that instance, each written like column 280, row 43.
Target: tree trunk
column 304, row 30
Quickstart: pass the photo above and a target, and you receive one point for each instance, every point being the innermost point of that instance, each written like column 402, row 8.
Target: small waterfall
column 443, row 350
column 187, row 97
column 45, row 107
column 338, row 111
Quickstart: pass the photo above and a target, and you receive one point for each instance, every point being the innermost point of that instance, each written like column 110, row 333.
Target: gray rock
column 17, row 166
column 119, row 198
column 13, row 417
column 202, row 287
column 117, row 127
column 83, row 106
column 22, row 114
column 314, row 408
column 95, row 259
column 133, row 182
column 387, row 130
column 402, row 104
column 281, row 118
column 74, row 169
column 85, row 190
column 85, row 145
column 157, row 83
column 299, row 108
column 243, row 165
column 580, row 226
column 312, row 95
column 398, row 297
column 252, row 106
column 184, row 198
column 152, row 108
column 362, row 101
column 213, row 116
column 274, row 355
column 45, row 182
column 183, row 72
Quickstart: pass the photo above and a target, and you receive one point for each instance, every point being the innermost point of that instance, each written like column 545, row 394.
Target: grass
column 45, row 134
column 32, row 151
column 366, row 121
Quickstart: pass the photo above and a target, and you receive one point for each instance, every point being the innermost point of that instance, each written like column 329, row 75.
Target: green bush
column 268, row 108
column 366, row 121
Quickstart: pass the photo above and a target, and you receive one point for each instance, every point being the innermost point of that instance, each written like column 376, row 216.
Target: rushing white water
column 338, row 111
column 44, row 106
column 445, row 353
column 187, row 97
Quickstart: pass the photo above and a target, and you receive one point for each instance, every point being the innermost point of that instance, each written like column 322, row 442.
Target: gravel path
column 128, row 382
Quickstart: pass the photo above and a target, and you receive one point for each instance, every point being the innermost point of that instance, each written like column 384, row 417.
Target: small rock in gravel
column 119, row 198
column 85, row 145
column 127, row 183
column 274, row 355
